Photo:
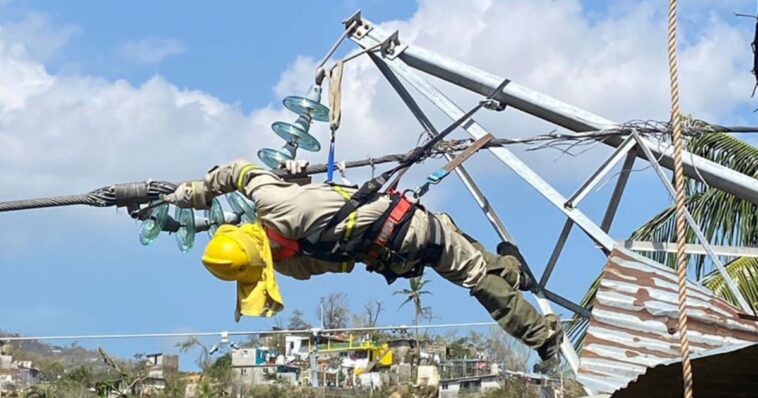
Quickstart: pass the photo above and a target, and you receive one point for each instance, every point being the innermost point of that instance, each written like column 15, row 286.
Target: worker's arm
column 221, row 180
column 293, row 210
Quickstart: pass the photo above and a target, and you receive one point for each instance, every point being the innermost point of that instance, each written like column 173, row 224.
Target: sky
column 96, row 93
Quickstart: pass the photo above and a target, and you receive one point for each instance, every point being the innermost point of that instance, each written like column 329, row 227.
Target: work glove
column 192, row 194
column 295, row 166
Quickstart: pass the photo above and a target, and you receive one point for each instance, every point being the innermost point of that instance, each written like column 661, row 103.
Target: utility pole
column 314, row 360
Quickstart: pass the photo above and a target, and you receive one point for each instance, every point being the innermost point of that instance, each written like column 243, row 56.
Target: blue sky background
column 116, row 78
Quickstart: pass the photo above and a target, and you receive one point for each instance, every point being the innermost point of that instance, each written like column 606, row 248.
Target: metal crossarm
column 555, row 111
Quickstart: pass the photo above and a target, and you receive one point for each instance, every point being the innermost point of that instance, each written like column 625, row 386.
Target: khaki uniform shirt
column 297, row 211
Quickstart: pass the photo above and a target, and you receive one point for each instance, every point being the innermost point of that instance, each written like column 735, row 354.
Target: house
column 296, row 348
column 451, row 388
column 17, row 374
column 27, row 374
column 158, row 366
column 428, row 375
column 191, row 382
column 258, row 366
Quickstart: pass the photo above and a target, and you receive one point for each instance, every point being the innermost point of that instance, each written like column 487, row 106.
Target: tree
column 296, row 321
column 129, row 378
column 744, row 272
column 334, row 311
column 414, row 294
column 503, row 348
column 203, row 360
column 43, row 391
column 372, row 310
column 724, row 219
column 220, row 370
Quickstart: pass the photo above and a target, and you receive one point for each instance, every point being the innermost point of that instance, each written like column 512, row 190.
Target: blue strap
column 330, row 162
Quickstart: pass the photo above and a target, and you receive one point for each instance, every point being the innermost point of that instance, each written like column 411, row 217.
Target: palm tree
column 724, row 219
column 744, row 272
column 414, row 294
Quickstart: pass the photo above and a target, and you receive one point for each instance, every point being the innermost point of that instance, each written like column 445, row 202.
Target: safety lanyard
column 372, row 187
column 436, row 177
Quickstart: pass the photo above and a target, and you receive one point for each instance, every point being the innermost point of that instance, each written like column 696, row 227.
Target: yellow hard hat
column 232, row 255
column 243, row 254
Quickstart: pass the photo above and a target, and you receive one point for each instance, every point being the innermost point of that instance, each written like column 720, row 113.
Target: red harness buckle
column 287, row 247
column 402, row 207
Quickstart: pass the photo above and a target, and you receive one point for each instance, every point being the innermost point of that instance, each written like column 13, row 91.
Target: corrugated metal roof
column 634, row 322
column 721, row 372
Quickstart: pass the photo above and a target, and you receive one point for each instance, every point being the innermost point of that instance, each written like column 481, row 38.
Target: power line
column 239, row 333
column 313, row 331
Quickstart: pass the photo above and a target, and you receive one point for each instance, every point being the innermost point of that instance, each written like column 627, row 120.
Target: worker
column 391, row 234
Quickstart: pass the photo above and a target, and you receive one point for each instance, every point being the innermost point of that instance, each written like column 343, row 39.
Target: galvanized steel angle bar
column 618, row 190
column 693, row 224
column 476, row 131
column 556, row 252
column 558, row 112
column 601, row 172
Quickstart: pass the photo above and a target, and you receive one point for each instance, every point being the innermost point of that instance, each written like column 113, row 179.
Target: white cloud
column 66, row 134
column 150, row 51
column 38, row 35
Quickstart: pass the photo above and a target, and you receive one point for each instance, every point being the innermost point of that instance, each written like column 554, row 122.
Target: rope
column 681, row 224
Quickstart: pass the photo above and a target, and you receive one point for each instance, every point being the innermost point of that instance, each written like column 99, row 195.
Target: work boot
column 526, row 283
column 552, row 345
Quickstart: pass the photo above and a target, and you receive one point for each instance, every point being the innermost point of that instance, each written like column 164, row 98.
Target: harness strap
column 287, row 247
column 397, row 214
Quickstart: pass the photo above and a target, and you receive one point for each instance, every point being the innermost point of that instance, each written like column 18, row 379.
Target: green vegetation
column 723, row 218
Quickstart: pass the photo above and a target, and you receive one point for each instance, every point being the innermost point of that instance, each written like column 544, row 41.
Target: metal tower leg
column 454, row 112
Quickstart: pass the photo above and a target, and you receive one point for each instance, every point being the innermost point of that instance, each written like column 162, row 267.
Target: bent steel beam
column 558, row 112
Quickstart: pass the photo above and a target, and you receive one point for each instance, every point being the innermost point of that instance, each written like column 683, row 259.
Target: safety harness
column 380, row 245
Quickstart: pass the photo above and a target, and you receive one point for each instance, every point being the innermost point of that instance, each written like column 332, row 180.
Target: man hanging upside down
column 395, row 237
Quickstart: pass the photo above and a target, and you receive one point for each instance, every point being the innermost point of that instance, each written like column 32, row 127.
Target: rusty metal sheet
column 634, row 322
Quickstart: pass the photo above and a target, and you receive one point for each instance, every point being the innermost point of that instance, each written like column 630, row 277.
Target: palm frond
column 744, row 272
column 409, row 299
column 723, row 218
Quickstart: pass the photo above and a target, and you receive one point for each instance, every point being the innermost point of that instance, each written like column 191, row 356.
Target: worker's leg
column 494, row 281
